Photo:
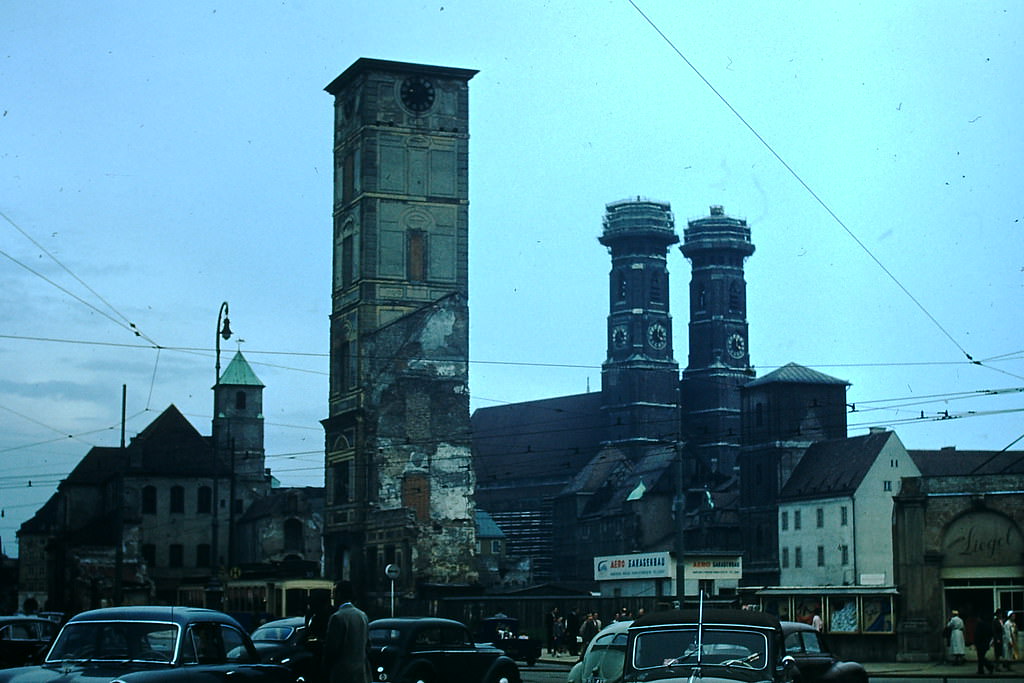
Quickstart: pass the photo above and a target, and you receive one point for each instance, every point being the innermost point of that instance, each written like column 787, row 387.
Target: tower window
column 702, row 296
column 149, row 500
column 342, row 480
column 657, row 292
column 620, row 286
column 735, row 300
column 348, row 185
column 240, row 400
column 416, row 265
column 347, row 261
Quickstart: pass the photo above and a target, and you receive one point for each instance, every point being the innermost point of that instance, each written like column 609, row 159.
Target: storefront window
column 806, row 606
column 876, row 615
column 843, row 614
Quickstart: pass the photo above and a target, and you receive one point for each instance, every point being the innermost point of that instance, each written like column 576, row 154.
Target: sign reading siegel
column 637, row 566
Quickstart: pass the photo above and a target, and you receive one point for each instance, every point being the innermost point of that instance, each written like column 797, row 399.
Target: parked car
column 24, row 639
column 502, row 631
column 711, row 645
column 151, row 645
column 431, row 650
column 286, row 642
column 605, row 656
column 814, row 660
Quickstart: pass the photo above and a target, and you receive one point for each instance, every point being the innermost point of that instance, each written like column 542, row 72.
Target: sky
column 158, row 159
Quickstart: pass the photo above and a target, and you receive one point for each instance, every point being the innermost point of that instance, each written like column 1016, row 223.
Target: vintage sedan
column 604, row 657
column 710, row 646
column 286, row 642
column 24, row 639
column 151, row 645
column 814, row 660
column 431, row 650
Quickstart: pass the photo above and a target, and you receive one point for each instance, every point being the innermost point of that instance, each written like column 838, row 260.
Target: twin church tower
column 399, row 467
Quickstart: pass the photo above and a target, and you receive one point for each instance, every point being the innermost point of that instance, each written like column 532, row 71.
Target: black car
column 502, row 632
column 151, row 645
column 24, row 639
column 814, row 660
column 286, row 642
column 711, row 645
column 430, row 650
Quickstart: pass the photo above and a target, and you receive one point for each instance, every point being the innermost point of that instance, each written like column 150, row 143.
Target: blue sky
column 171, row 156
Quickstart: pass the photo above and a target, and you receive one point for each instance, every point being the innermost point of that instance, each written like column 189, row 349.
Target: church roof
column 835, row 467
column 239, row 373
column 791, row 373
column 544, row 439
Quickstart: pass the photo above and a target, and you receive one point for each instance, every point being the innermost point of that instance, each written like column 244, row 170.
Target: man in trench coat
column 346, row 644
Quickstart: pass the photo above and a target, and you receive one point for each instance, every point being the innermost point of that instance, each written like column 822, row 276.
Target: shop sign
column 982, row 539
column 714, row 567
column 635, row 566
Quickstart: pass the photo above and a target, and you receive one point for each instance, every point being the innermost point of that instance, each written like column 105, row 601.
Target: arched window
column 293, row 536
column 149, row 500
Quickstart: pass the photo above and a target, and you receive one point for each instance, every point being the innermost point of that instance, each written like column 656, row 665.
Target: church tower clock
column 639, row 379
column 398, row 474
column 719, row 363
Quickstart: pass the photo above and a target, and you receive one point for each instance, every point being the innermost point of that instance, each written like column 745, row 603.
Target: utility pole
column 679, row 519
column 119, row 512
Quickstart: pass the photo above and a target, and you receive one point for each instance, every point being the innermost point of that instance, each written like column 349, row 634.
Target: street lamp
column 214, row 591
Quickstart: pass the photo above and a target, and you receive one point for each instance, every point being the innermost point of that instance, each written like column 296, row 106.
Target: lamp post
column 214, row 591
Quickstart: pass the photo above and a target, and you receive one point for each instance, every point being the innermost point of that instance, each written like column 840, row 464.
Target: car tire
column 505, row 676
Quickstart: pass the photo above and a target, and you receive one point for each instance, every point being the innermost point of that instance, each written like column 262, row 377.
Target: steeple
column 640, row 375
column 238, row 417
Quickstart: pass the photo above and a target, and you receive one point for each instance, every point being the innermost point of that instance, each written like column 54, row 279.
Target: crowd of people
column 997, row 635
column 570, row 634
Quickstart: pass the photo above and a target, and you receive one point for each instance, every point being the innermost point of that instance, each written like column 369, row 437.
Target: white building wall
column 834, row 533
column 873, row 512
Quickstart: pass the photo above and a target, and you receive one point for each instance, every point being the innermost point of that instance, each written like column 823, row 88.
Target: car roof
column 794, row 626
column 177, row 615
column 10, row 618
column 287, row 622
column 716, row 617
column 403, row 623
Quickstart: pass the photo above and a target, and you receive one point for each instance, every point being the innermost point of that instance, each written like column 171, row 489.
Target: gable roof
column 486, row 527
column 239, row 373
column 834, row 468
column 791, row 373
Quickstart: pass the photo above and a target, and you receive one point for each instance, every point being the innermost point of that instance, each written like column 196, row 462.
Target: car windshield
column 678, row 647
column 603, row 662
column 279, row 633
column 140, row 641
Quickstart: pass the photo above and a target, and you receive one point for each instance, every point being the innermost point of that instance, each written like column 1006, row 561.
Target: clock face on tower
column 657, row 336
column 620, row 336
column 736, row 346
column 417, row 94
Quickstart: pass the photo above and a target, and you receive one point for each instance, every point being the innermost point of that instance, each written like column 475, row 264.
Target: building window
column 798, row 557
column 240, row 400
column 293, row 536
column 796, row 520
column 821, row 556
column 785, row 558
column 176, row 555
column 887, row 485
column 149, row 500
column 177, row 499
column 735, row 301
column 149, row 554
column 844, row 516
column 342, row 480
column 348, row 186
column 844, row 555
column 657, row 291
column 785, row 520
column 495, row 547
column 203, row 555
column 347, row 261
column 416, row 266
column 204, row 500
column 620, row 285
column 820, row 517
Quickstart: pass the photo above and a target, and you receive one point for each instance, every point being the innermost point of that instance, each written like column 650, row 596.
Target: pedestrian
column 346, row 644
column 1010, row 648
column 559, row 635
column 982, row 640
column 572, row 632
column 997, row 641
column 955, row 638
column 549, row 629
column 816, row 621
column 588, row 630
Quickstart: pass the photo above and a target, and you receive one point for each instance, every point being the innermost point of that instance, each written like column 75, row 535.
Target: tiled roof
column 834, row 467
column 953, row 462
column 791, row 373
column 239, row 373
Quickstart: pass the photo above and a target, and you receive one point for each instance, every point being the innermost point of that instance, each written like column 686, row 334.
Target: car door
column 215, row 652
column 462, row 663
column 812, row 657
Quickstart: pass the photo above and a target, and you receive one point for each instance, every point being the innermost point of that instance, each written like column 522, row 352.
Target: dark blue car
column 150, row 645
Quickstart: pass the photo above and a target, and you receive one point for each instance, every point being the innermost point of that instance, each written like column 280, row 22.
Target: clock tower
column 719, row 363
column 639, row 379
column 398, row 474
